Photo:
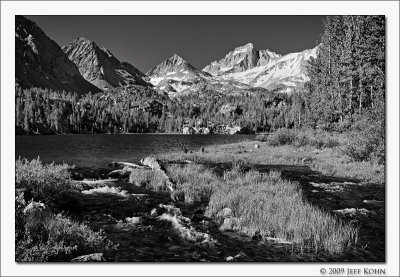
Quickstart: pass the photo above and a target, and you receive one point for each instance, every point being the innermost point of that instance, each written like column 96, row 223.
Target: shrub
column 282, row 137
column 273, row 207
column 316, row 138
column 262, row 137
column 49, row 183
column 367, row 144
column 59, row 240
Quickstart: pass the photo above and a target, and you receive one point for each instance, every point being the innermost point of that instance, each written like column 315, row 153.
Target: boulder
column 233, row 130
column 95, row 257
column 229, row 224
column 187, row 130
column 36, row 213
column 256, row 146
column 225, row 212
column 133, row 220
column 153, row 212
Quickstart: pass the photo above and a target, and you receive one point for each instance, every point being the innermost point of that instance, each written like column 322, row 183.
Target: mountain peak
column 100, row 67
column 248, row 45
column 83, row 40
column 242, row 49
column 177, row 60
column 173, row 63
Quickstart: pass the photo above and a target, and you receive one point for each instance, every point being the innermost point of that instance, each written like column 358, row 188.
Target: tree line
column 138, row 110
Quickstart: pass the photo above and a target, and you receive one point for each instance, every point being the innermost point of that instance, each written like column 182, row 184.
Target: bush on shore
column 59, row 239
column 53, row 238
column 366, row 142
column 48, row 183
column 363, row 143
column 316, row 138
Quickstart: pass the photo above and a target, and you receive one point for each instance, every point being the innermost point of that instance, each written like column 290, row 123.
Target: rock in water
column 95, row 257
column 133, row 220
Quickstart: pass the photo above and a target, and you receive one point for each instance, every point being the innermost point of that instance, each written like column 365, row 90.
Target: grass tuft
column 268, row 205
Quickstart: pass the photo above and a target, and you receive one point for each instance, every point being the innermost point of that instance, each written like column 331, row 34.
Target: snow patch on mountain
column 264, row 68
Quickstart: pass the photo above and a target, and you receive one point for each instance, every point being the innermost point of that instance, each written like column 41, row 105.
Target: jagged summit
column 40, row 62
column 175, row 62
column 175, row 59
column 100, row 67
column 175, row 75
column 247, row 46
column 240, row 59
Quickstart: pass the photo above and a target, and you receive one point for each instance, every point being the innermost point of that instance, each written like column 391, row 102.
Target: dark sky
column 144, row 41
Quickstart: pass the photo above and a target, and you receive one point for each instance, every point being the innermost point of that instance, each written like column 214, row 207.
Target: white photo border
column 8, row 11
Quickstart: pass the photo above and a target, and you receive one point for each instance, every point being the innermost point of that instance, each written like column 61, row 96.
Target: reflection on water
column 98, row 150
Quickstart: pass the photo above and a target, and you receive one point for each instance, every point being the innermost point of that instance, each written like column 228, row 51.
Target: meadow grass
column 264, row 204
column 194, row 181
column 328, row 161
column 268, row 205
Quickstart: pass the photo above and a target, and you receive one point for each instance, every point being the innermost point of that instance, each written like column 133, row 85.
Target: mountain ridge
column 83, row 66
column 100, row 67
column 267, row 69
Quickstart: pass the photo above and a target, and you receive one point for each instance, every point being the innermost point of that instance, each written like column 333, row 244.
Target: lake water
column 100, row 149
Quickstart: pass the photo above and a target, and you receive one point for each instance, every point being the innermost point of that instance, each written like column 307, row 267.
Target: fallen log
column 155, row 165
column 121, row 172
column 95, row 182
column 127, row 164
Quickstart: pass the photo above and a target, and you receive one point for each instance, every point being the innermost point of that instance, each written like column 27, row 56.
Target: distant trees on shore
column 139, row 110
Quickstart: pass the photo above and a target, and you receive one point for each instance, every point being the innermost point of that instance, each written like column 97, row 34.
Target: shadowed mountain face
column 100, row 67
column 40, row 62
